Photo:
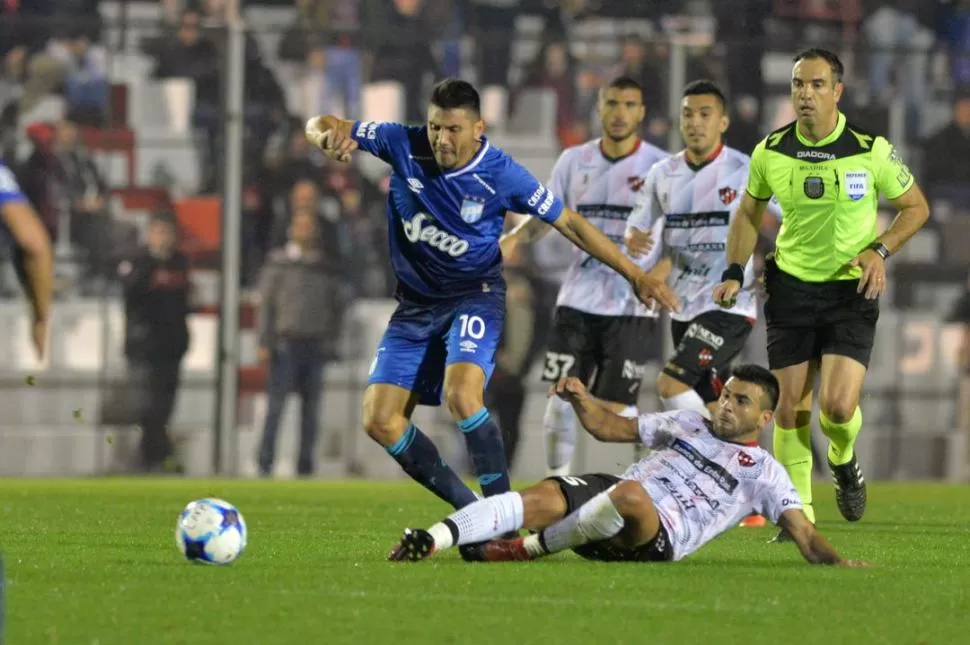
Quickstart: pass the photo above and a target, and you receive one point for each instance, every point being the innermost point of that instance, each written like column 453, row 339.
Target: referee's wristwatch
column 881, row 249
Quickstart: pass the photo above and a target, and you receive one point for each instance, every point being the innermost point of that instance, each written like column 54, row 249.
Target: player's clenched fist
column 335, row 144
column 726, row 293
column 570, row 389
column 638, row 243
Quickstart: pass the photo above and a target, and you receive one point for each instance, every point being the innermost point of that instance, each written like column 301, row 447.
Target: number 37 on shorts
column 421, row 340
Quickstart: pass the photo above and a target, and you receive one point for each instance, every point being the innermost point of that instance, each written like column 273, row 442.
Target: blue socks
column 484, row 441
column 419, row 458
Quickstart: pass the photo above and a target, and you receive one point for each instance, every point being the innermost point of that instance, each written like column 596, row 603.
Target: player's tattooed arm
column 599, row 421
column 813, row 545
column 527, row 231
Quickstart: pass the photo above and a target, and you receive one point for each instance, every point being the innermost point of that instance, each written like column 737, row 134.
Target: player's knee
column 668, row 387
column 630, row 499
column 462, row 403
column 792, row 412
column 383, row 426
column 838, row 406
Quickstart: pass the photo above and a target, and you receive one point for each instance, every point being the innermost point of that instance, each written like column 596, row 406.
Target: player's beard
column 729, row 431
column 625, row 135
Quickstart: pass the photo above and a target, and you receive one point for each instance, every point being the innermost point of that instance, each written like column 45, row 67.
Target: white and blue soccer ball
column 211, row 531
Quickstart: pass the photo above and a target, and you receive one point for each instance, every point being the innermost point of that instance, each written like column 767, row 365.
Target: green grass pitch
column 94, row 562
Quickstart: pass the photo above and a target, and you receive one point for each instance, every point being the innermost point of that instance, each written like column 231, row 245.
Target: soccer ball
column 211, row 531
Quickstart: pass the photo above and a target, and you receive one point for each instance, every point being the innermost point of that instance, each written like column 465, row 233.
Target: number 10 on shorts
column 471, row 327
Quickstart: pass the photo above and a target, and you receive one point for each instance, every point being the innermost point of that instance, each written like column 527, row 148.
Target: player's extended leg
column 841, row 419
column 677, row 384
column 675, row 394
column 472, row 342
column 570, row 353
column 387, row 412
column 535, row 508
column 793, row 428
column 615, row 523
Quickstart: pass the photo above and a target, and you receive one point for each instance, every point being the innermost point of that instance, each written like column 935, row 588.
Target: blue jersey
column 9, row 192
column 444, row 226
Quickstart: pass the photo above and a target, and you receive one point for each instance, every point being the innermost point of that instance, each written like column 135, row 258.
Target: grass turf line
column 94, row 562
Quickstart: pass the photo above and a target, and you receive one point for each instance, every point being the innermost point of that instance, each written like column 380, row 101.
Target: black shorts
column 612, row 350
column 705, row 348
column 806, row 320
column 578, row 490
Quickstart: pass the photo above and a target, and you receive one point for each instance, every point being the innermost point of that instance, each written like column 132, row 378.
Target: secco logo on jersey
column 433, row 236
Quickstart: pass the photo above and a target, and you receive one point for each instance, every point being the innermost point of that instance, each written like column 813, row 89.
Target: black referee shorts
column 806, row 320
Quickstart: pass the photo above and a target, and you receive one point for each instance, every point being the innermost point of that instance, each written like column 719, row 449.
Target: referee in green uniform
column 828, row 269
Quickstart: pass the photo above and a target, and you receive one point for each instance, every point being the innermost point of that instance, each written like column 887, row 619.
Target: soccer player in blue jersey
column 22, row 234
column 450, row 190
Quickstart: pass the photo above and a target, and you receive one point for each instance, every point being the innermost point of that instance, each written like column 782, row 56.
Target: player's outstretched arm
column 332, row 135
column 591, row 240
column 811, row 543
column 35, row 265
column 527, row 231
column 602, row 423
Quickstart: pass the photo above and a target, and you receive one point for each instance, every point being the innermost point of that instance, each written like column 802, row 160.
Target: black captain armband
column 733, row 272
column 881, row 249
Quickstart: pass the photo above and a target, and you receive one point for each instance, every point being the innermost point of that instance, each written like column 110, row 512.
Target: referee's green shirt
column 828, row 192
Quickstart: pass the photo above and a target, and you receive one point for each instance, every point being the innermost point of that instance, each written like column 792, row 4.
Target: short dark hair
column 625, row 83
column 454, row 93
column 705, row 87
column 817, row 53
column 763, row 378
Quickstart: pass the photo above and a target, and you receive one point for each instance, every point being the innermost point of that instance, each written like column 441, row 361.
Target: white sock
column 689, row 400
column 595, row 520
column 560, row 424
column 482, row 520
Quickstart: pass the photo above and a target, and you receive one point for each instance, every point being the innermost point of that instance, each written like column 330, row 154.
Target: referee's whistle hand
column 873, row 280
column 638, row 242
column 726, row 293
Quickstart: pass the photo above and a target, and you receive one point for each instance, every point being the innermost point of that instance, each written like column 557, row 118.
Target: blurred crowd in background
column 908, row 75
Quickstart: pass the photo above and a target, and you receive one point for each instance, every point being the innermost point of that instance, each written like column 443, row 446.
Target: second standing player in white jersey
column 692, row 196
column 600, row 330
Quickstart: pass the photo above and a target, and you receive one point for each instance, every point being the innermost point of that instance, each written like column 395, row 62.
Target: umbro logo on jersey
column 727, row 195
column 636, row 183
column 745, row 459
column 415, row 185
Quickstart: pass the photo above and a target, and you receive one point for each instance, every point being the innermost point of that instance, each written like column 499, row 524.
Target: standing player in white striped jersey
column 600, row 327
column 692, row 196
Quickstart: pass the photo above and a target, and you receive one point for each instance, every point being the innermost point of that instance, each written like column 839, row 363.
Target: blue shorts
column 422, row 339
